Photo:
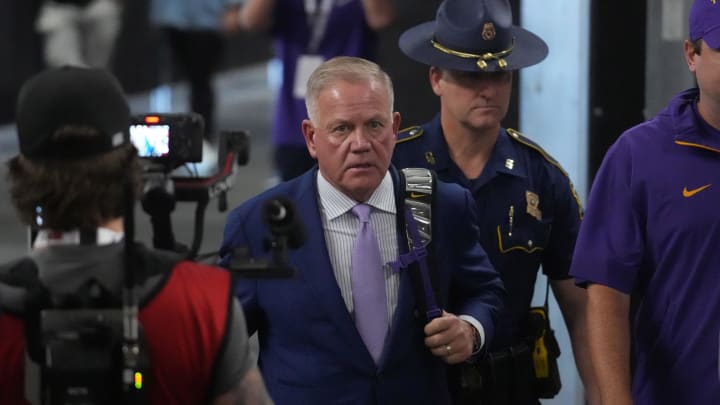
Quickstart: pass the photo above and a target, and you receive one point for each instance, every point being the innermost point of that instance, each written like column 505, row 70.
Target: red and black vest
column 184, row 325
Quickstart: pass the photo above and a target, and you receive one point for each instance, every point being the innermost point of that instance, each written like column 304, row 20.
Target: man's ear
column 689, row 50
column 308, row 131
column 434, row 75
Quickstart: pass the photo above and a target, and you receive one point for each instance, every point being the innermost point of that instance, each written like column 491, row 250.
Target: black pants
column 198, row 53
column 504, row 377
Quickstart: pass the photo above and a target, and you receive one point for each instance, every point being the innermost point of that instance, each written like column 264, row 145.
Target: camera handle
column 163, row 190
column 202, row 190
column 158, row 201
column 288, row 232
column 243, row 264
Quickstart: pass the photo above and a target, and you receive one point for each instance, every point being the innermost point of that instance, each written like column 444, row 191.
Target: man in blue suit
column 315, row 347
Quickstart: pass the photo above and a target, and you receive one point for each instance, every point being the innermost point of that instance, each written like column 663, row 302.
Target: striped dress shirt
column 341, row 227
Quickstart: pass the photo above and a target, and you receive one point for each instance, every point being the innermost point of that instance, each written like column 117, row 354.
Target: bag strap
column 23, row 275
column 547, row 294
column 418, row 185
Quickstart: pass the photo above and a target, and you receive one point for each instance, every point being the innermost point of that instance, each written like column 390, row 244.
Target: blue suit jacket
column 310, row 350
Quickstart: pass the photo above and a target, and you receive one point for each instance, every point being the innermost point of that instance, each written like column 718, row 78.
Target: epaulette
column 522, row 139
column 409, row 134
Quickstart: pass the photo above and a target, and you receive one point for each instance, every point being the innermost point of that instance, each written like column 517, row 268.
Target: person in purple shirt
column 648, row 246
column 307, row 32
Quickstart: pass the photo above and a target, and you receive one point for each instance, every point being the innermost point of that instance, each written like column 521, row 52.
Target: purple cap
column 704, row 22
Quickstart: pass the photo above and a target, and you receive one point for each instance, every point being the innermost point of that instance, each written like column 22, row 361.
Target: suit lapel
column 403, row 319
column 317, row 270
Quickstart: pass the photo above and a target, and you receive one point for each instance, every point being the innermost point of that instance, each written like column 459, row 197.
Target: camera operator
column 70, row 182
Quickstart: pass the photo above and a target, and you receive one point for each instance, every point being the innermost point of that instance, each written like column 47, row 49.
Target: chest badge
column 509, row 164
column 533, row 203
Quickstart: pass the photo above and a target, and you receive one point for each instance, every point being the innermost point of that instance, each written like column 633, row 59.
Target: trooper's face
column 476, row 100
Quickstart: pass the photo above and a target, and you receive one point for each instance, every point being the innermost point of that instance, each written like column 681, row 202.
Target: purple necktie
column 368, row 285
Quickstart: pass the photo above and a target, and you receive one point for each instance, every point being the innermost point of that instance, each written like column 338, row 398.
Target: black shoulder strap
column 23, row 274
column 150, row 262
column 20, row 273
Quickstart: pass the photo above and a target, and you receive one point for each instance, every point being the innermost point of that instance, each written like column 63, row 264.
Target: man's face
column 475, row 100
column 706, row 67
column 353, row 136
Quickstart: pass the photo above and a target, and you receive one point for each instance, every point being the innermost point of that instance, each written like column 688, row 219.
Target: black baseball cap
column 71, row 96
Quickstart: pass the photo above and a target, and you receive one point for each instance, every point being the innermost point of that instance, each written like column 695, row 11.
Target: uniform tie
column 368, row 285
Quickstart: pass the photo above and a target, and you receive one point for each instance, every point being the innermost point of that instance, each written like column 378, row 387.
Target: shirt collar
column 689, row 127
column 47, row 237
column 335, row 203
column 503, row 159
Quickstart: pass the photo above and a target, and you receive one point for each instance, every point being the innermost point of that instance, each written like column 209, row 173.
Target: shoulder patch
column 409, row 134
column 522, row 139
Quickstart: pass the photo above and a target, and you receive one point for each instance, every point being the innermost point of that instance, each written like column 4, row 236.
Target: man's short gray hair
column 344, row 68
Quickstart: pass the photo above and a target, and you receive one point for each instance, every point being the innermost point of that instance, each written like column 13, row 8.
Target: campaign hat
column 473, row 35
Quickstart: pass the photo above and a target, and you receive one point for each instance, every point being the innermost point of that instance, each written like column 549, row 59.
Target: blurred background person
column 79, row 32
column 193, row 31
column 306, row 33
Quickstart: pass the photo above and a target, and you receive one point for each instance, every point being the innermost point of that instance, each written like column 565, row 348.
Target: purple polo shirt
column 347, row 34
column 652, row 229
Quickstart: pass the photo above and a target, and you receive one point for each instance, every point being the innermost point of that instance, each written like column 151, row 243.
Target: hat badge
column 488, row 32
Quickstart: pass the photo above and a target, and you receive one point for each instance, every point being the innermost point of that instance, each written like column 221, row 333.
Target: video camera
column 177, row 168
column 168, row 139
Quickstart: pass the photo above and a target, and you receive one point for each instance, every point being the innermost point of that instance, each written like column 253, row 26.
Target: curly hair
column 73, row 194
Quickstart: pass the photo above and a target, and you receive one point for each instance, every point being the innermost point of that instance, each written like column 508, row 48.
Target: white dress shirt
column 341, row 227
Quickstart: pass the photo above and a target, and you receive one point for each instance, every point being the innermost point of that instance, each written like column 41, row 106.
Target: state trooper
column 529, row 211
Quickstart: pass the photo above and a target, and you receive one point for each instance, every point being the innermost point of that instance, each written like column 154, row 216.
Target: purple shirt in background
column 347, row 33
column 652, row 229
